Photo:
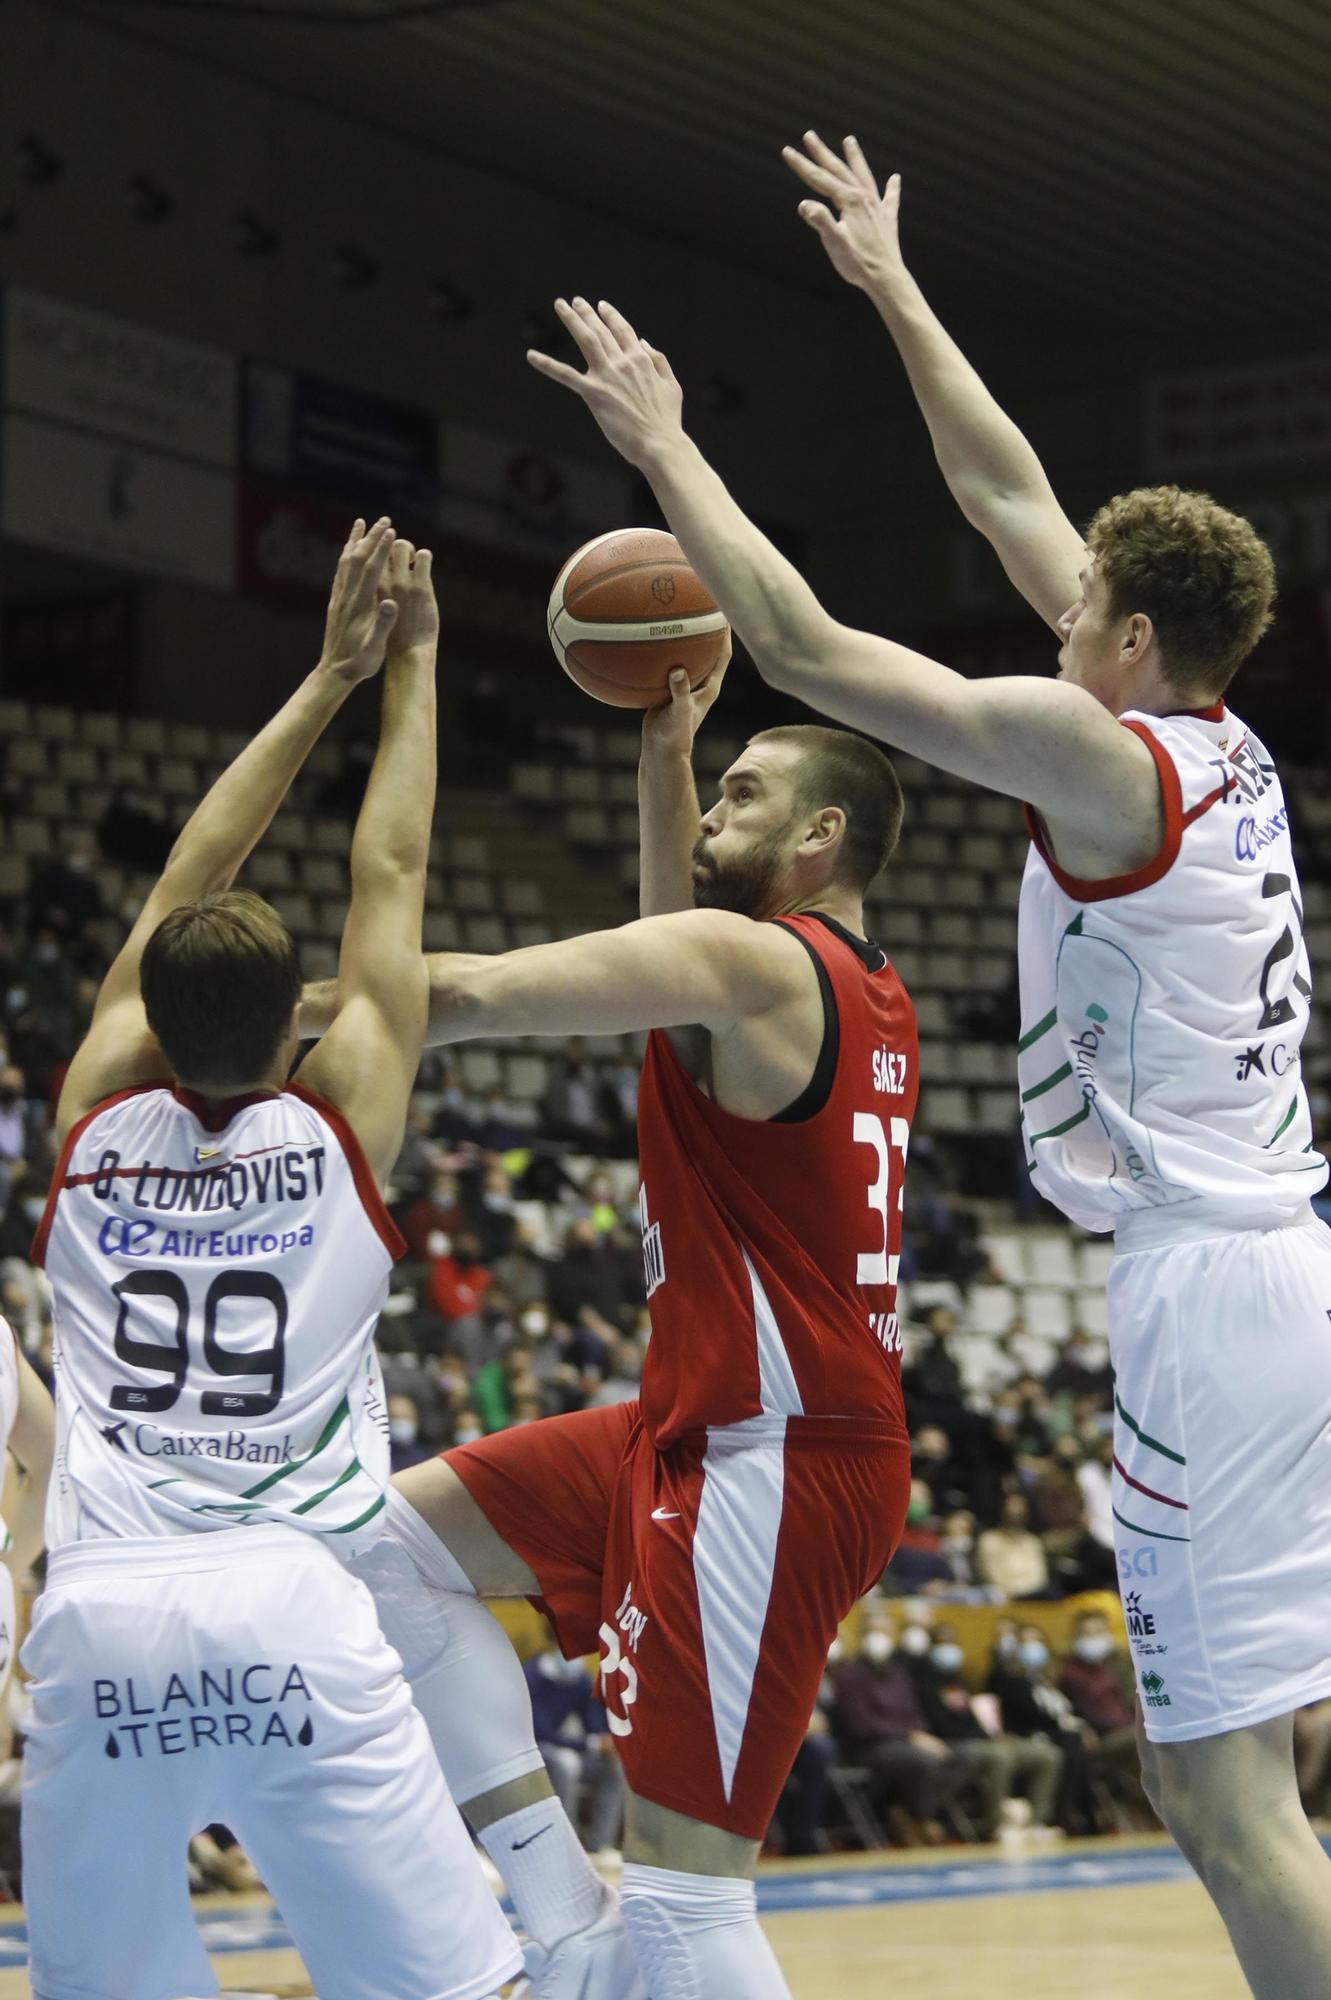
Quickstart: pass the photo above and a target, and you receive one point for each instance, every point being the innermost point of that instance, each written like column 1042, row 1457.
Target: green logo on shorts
column 1153, row 1688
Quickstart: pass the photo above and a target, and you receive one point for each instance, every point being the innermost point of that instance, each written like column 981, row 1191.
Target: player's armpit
column 1046, row 742
column 366, row 1064
column 118, row 1052
column 694, row 968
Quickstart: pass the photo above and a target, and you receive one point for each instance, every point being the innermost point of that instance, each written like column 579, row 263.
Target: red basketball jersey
column 771, row 1245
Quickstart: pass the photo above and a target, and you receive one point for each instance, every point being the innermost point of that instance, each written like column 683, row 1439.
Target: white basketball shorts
column 238, row 1676
column 1222, row 1484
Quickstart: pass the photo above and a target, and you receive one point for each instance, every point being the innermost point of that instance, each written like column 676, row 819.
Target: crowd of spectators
column 521, row 1296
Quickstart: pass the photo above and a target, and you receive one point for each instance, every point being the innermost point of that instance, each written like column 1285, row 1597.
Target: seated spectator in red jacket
column 457, row 1289
column 1096, row 1678
column 434, row 1212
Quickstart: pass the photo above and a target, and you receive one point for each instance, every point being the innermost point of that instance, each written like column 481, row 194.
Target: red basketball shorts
column 710, row 1578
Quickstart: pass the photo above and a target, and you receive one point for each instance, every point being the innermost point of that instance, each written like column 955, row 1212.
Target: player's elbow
column 457, row 995
column 790, row 646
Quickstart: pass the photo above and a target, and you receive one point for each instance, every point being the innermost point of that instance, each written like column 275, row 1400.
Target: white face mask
column 947, row 1658
column 836, row 1651
column 1034, row 1655
column 915, row 1640
column 877, row 1647
column 1094, row 1646
column 535, row 1322
column 403, row 1430
column 467, row 1434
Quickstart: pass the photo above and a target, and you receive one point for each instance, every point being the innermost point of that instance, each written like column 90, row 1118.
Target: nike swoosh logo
column 661, row 1514
column 518, row 1845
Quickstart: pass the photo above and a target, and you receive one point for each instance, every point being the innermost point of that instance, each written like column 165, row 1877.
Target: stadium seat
column 1047, row 1311
column 1049, row 1259
column 440, row 931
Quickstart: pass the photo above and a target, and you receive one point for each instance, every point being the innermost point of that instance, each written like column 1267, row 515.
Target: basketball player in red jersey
column 707, row 1540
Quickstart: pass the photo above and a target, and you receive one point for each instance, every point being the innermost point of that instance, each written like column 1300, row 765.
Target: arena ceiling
column 1155, row 173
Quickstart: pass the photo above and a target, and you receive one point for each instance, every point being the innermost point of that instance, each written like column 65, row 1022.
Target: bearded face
column 743, row 880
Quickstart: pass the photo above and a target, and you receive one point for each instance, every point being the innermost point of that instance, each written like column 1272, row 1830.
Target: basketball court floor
column 1098, row 1919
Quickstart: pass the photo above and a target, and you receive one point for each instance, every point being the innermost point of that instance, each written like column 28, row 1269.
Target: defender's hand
column 861, row 236
column 408, row 583
column 360, row 616
column 672, row 726
column 628, row 387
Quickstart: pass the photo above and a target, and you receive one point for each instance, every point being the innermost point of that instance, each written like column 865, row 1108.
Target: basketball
column 626, row 610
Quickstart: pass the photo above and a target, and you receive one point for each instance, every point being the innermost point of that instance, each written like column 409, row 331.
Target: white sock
column 696, row 1937
column 469, row 1687
column 554, row 1887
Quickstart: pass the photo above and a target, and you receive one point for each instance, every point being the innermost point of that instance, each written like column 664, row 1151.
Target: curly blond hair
column 1203, row 576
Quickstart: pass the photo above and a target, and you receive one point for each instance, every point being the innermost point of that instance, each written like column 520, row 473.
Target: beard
column 744, row 883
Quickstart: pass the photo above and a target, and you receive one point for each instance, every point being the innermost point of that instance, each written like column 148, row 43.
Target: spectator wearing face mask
column 958, row 1549
column 1010, row 1558
column 574, row 1740
column 520, row 1272
column 590, row 1273
column 879, row 1722
column 20, row 1120
column 1082, row 1369
column 404, row 1432
column 458, row 1284
column 435, row 1212
column 467, row 1425
column 994, row 1766
column 493, row 1212
column 1058, row 1512
column 1032, row 1708
column 1096, row 1679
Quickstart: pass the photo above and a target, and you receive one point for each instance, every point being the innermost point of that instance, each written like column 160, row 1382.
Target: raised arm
column 367, row 1062
column 669, row 816
column 119, row 1050
column 994, row 475
column 1043, row 741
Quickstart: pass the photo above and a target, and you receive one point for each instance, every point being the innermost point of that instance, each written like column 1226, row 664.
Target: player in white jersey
column 219, row 1250
column 1167, row 1014
column 27, row 1432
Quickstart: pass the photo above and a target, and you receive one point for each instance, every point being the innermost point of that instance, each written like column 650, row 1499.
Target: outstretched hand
column 856, row 225
column 408, row 584
column 673, row 724
column 628, row 386
column 360, row 614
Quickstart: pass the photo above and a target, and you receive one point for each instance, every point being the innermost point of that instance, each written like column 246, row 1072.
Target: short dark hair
column 220, row 981
column 1203, row 576
column 834, row 767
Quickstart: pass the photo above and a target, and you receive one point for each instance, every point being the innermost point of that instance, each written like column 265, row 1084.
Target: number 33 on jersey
column 771, row 1247
column 218, row 1273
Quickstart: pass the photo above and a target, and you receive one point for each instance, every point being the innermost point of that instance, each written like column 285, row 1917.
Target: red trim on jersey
column 1215, row 713
column 1171, row 798
column 215, row 1114
column 72, row 1137
column 367, row 1187
column 1149, row 1491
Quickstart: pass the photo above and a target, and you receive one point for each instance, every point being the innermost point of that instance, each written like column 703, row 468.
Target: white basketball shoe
column 595, row 1963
